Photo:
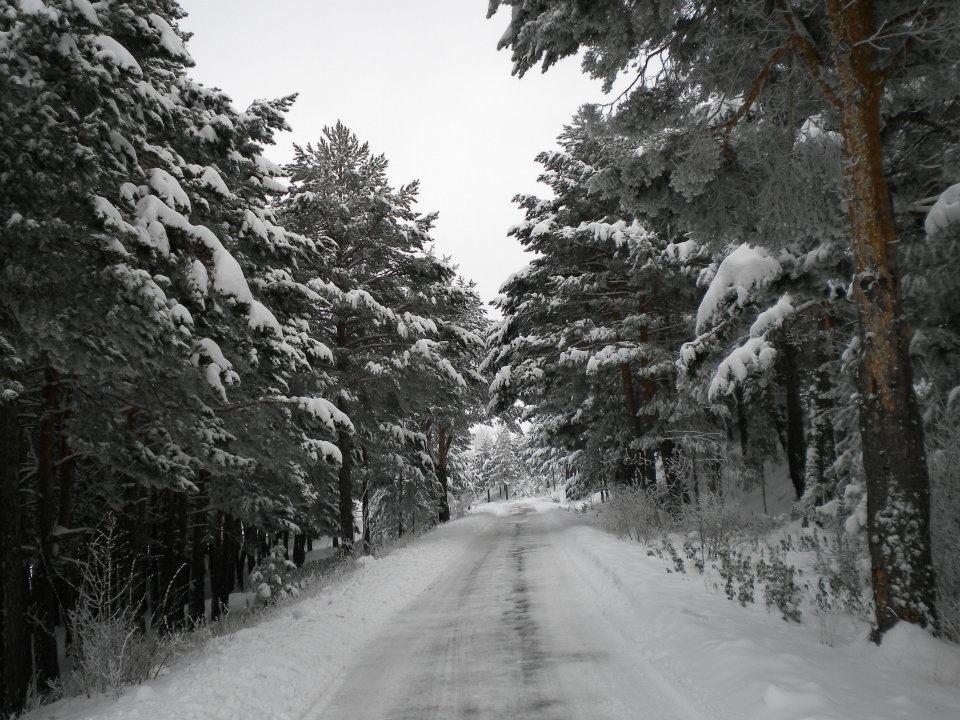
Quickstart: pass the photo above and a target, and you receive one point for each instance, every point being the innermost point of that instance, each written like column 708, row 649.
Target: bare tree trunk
column 796, row 446
column 197, row 606
column 365, row 512
column 67, row 477
column 215, row 563
column 821, row 448
column 400, row 527
column 299, row 549
column 45, row 606
column 345, row 488
column 14, row 639
column 894, row 459
column 443, row 448
column 630, row 399
column 672, row 480
column 648, row 467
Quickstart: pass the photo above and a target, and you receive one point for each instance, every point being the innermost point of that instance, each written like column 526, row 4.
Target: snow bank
column 284, row 666
column 748, row 664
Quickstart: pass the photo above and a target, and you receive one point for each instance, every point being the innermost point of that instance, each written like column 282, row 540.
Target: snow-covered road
column 523, row 627
column 523, row 612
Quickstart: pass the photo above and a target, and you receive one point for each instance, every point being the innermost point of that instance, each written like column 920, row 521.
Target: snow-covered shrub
column 781, row 589
column 842, row 586
column 737, row 572
column 945, row 524
column 720, row 522
column 109, row 648
column 637, row 513
column 275, row 577
column 671, row 551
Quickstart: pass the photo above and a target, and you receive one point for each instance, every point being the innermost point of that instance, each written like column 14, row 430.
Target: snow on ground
column 750, row 663
column 570, row 622
column 278, row 668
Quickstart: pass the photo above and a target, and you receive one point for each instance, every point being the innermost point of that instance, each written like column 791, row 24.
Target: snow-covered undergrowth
column 277, row 664
column 745, row 663
column 813, row 573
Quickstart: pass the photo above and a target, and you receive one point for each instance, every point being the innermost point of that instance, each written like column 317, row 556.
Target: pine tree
column 824, row 57
column 399, row 324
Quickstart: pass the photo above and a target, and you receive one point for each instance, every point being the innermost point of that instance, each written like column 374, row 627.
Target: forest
column 741, row 268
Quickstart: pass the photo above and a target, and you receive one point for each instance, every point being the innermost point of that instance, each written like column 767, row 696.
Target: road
column 523, row 611
column 524, row 628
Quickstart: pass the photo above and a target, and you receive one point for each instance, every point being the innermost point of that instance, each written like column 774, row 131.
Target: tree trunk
column 345, row 488
column 630, row 399
column 14, row 640
column 894, row 459
column 506, row 492
column 215, row 563
column 67, row 477
column 135, row 535
column 299, row 549
column 175, row 595
column 230, row 551
column 443, row 448
column 400, row 528
column 821, row 447
column 488, row 494
column 796, row 446
column 673, row 482
column 365, row 512
column 197, row 609
column 45, row 608
column 648, row 468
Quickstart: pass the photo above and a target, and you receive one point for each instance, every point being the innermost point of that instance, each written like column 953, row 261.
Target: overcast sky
column 422, row 81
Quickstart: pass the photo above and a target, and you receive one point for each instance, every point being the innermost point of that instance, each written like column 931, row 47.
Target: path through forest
column 524, row 627
column 523, row 611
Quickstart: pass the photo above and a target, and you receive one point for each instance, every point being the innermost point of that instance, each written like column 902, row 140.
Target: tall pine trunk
column 345, row 488
column 821, row 447
column 45, row 607
column 894, row 459
column 673, row 481
column 443, row 448
column 796, row 445
column 365, row 512
column 14, row 639
column 630, row 399
column 197, row 607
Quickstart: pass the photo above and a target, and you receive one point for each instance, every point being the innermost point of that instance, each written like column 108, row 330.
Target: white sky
column 422, row 81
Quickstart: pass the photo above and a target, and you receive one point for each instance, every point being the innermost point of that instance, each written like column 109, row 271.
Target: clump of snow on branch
column 744, row 270
column 322, row 409
column 945, row 211
column 754, row 356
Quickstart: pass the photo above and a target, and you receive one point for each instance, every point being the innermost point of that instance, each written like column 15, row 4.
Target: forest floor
column 523, row 611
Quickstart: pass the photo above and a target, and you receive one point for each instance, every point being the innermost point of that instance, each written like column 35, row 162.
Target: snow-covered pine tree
column 686, row 52
column 126, row 314
column 393, row 314
column 591, row 326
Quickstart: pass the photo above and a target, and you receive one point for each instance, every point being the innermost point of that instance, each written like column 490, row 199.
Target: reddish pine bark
column 898, row 500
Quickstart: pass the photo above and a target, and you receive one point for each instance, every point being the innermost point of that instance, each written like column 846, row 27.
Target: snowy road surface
column 523, row 612
column 523, row 627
